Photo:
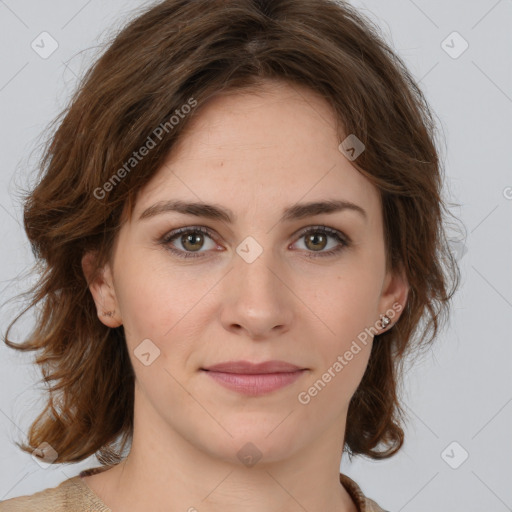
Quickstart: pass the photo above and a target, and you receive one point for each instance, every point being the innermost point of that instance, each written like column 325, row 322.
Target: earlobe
column 101, row 286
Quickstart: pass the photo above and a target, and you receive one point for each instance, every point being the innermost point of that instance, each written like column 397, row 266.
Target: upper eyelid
column 333, row 232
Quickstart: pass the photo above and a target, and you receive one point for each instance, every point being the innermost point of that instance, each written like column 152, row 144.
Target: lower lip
column 255, row 384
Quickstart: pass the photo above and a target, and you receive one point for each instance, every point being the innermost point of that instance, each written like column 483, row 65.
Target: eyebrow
column 217, row 212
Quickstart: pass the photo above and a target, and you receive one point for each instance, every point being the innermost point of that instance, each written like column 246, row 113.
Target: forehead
column 270, row 147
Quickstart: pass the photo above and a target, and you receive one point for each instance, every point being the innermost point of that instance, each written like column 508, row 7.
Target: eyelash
column 338, row 235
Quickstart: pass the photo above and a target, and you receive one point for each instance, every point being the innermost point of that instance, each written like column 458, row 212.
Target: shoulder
column 363, row 503
column 52, row 499
column 371, row 506
column 72, row 495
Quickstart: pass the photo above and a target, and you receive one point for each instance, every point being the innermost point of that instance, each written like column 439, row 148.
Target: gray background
column 462, row 391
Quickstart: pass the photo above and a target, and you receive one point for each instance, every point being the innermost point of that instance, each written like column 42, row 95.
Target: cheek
column 160, row 303
column 348, row 304
column 347, row 308
column 348, row 312
column 143, row 299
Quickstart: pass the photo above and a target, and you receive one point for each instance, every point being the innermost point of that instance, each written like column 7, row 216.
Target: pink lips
column 254, row 379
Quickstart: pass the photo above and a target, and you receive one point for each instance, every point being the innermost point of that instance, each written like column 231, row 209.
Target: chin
column 251, row 444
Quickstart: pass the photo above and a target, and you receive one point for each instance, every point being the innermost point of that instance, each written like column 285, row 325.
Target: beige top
column 74, row 495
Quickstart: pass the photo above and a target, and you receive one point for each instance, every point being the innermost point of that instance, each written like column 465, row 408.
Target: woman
column 240, row 225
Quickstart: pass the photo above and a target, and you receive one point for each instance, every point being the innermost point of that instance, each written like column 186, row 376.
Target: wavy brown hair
column 181, row 49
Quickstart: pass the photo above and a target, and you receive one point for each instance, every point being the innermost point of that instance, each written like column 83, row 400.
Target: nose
column 257, row 300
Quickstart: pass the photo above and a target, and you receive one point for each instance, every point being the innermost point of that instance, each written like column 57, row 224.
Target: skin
column 255, row 154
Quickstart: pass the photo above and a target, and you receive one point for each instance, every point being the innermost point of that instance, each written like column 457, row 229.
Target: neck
column 271, row 489
column 169, row 473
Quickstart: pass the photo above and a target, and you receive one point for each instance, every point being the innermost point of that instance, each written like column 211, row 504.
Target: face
column 274, row 281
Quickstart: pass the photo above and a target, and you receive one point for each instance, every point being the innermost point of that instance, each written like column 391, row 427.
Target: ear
column 394, row 294
column 101, row 285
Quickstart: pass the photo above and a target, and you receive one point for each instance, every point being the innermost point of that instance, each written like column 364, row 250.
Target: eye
column 192, row 240
column 316, row 239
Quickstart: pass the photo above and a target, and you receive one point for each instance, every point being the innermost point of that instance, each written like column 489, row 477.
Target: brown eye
column 316, row 241
column 192, row 241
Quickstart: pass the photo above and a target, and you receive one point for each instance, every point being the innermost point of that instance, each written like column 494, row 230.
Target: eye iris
column 314, row 238
column 191, row 238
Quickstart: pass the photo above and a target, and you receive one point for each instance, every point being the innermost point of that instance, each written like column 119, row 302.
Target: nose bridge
column 257, row 269
column 258, row 301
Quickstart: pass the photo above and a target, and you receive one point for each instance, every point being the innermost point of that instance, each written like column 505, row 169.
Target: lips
column 254, row 379
column 246, row 367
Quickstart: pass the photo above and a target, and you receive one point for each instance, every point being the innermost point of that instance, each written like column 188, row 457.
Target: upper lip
column 253, row 368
